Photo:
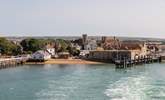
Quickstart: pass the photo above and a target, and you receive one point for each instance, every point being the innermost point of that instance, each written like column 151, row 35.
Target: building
column 109, row 55
column 50, row 48
column 161, row 48
column 40, row 55
column 84, row 41
column 76, row 46
column 154, row 48
column 88, row 44
column 84, row 53
column 91, row 45
column 110, row 43
column 64, row 55
column 112, row 55
column 139, row 48
column 51, row 51
column 161, row 51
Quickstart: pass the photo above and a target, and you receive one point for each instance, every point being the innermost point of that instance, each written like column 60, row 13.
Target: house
column 40, row 55
column 110, row 43
column 140, row 49
column 137, row 47
column 76, row 46
column 50, row 49
column 84, row 53
column 91, row 45
column 153, row 48
column 161, row 48
column 64, row 55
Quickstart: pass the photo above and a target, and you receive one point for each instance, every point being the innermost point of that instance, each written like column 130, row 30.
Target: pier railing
column 12, row 62
column 128, row 63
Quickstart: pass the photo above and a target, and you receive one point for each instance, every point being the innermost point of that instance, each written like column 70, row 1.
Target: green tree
column 73, row 51
column 63, row 45
column 32, row 45
column 8, row 48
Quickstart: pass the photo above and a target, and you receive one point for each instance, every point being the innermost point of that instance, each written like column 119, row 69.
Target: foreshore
column 66, row 61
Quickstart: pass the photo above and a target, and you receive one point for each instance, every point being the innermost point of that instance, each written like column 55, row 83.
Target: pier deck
column 128, row 63
column 12, row 62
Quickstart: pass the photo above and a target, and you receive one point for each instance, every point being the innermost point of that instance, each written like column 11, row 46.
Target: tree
column 8, row 48
column 73, row 51
column 33, row 45
column 17, row 50
column 63, row 45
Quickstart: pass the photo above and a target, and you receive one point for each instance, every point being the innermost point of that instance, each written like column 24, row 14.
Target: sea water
column 83, row 82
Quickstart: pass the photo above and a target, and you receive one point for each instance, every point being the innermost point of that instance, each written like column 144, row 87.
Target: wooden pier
column 128, row 63
column 12, row 62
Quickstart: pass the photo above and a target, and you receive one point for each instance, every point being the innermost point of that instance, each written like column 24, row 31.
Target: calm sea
column 83, row 82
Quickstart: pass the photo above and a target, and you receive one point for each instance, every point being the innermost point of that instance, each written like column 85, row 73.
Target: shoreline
column 70, row 61
column 66, row 61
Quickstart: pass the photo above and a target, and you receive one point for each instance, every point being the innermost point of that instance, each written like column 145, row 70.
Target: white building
column 41, row 55
column 51, row 51
column 88, row 44
column 91, row 45
column 83, row 53
column 50, row 48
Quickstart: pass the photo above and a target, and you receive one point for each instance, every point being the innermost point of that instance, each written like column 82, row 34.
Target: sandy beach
column 66, row 61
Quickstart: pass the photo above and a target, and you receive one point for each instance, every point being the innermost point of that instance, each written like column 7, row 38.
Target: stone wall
column 110, row 55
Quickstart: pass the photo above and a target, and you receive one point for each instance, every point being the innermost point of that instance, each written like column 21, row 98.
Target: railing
column 12, row 62
column 127, row 63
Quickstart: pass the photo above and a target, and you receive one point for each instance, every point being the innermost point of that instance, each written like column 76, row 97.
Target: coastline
column 66, row 61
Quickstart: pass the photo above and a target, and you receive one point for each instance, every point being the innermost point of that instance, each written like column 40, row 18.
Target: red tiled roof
column 130, row 46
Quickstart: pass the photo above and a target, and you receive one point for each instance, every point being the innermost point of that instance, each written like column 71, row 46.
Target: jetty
column 124, row 63
column 12, row 62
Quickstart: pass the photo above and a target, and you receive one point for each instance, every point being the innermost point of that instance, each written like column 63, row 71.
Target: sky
column 142, row 18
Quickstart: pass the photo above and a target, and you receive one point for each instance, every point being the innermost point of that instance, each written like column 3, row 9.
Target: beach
column 66, row 61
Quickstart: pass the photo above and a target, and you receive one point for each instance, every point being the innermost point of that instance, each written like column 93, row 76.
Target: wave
column 130, row 88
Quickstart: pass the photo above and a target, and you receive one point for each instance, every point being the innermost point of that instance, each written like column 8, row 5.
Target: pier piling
column 12, row 62
column 128, row 63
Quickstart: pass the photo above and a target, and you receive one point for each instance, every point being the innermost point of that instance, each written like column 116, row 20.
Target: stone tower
column 84, row 40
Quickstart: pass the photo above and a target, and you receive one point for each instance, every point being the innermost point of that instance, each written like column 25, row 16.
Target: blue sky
column 143, row 18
